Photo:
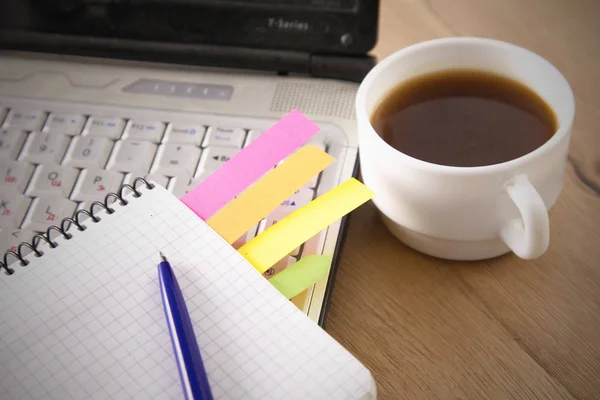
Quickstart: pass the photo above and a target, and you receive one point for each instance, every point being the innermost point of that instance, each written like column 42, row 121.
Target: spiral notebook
column 85, row 320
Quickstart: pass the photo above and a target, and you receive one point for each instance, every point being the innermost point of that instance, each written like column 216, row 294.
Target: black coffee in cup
column 464, row 118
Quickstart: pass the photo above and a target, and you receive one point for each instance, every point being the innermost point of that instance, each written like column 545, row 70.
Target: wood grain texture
column 503, row 328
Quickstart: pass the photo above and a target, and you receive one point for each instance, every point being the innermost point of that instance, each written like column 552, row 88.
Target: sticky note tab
column 301, row 275
column 280, row 239
column 247, row 166
column 238, row 216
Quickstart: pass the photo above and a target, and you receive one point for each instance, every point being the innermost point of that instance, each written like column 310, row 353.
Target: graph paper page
column 85, row 320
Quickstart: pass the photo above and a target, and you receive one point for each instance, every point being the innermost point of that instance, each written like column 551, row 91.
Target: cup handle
column 529, row 236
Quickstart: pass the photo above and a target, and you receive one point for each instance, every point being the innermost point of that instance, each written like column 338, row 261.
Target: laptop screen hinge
column 342, row 67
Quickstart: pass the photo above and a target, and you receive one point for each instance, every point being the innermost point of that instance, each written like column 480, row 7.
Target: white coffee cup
column 475, row 212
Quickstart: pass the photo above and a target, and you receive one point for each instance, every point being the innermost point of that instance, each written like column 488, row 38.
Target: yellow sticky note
column 256, row 202
column 280, row 239
column 301, row 275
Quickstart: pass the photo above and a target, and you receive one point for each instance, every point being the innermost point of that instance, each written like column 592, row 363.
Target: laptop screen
column 314, row 26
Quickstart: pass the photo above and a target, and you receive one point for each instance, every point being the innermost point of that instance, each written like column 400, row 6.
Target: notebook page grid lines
column 94, row 353
column 110, row 317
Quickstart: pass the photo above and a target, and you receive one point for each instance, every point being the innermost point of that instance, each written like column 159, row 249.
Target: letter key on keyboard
column 88, row 152
column 12, row 237
column 213, row 157
column 14, row 176
column 175, row 159
column 52, row 180
column 150, row 131
column 224, row 137
column 27, row 120
column 45, row 148
column 132, row 155
column 185, row 134
column 109, row 127
column 11, row 143
column 65, row 124
column 47, row 211
column 94, row 184
column 13, row 207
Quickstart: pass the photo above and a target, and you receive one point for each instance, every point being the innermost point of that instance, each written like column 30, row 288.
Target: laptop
column 96, row 92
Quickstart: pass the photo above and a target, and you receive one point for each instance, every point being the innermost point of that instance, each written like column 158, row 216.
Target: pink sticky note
column 247, row 166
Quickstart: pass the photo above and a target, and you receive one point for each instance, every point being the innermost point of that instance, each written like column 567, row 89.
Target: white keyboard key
column 279, row 266
column 27, row 120
column 109, row 127
column 13, row 207
column 196, row 180
column 88, row 152
column 176, row 159
column 132, row 155
column 185, row 134
column 65, row 124
column 94, row 184
column 52, row 180
column 180, row 185
column 140, row 130
column 47, row 211
column 213, row 157
column 224, row 137
column 45, row 148
column 160, row 180
column 3, row 112
column 11, row 238
column 14, row 176
column 252, row 135
column 11, row 143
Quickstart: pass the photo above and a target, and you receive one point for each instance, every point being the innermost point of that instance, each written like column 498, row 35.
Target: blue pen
column 191, row 369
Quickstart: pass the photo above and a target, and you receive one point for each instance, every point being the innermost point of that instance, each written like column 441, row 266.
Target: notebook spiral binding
column 66, row 223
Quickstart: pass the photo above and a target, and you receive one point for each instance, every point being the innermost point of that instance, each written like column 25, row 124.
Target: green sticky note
column 301, row 275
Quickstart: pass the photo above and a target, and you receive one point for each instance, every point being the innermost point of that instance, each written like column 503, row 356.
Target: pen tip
column 162, row 256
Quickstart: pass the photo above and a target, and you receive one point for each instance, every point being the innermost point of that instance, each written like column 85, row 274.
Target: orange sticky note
column 256, row 202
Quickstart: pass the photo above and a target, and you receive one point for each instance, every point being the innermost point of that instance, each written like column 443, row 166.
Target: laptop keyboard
column 54, row 163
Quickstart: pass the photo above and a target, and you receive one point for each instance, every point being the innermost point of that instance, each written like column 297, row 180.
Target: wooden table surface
column 503, row 328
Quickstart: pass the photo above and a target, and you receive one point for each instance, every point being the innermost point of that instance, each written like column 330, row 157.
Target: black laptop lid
column 294, row 31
